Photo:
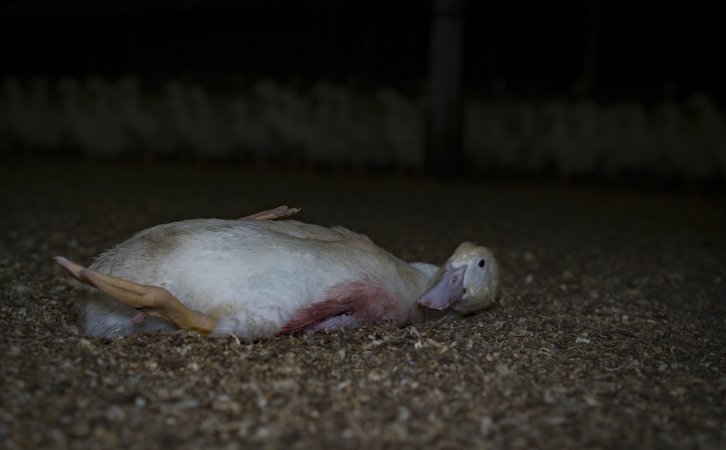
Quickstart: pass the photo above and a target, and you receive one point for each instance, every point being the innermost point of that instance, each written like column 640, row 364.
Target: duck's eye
column 482, row 263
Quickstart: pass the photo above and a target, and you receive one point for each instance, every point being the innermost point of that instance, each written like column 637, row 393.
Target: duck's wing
column 351, row 235
column 152, row 300
column 301, row 230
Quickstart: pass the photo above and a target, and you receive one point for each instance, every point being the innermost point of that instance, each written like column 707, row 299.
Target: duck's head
column 467, row 283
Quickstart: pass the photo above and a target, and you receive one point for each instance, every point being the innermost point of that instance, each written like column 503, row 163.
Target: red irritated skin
column 349, row 305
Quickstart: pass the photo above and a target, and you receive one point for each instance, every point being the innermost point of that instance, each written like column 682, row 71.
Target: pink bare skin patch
column 349, row 304
column 138, row 318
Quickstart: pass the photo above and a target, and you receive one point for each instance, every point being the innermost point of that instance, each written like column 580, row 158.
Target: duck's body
column 261, row 278
column 253, row 275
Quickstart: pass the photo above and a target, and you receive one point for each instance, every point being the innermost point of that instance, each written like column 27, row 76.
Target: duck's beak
column 448, row 288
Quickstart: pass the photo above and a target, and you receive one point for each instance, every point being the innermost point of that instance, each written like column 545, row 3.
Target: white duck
column 258, row 278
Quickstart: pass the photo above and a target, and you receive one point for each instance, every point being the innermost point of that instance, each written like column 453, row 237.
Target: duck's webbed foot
column 274, row 213
column 150, row 300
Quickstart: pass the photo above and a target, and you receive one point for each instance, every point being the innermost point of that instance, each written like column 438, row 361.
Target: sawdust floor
column 610, row 331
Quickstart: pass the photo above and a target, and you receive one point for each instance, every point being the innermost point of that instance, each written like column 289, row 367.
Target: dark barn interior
column 584, row 143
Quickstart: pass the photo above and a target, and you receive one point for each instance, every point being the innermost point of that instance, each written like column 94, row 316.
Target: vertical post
column 444, row 115
column 586, row 85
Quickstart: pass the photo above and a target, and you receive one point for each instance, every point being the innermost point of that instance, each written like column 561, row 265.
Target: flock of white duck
column 335, row 125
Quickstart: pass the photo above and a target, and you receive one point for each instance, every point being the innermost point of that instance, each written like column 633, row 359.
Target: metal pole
column 445, row 112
